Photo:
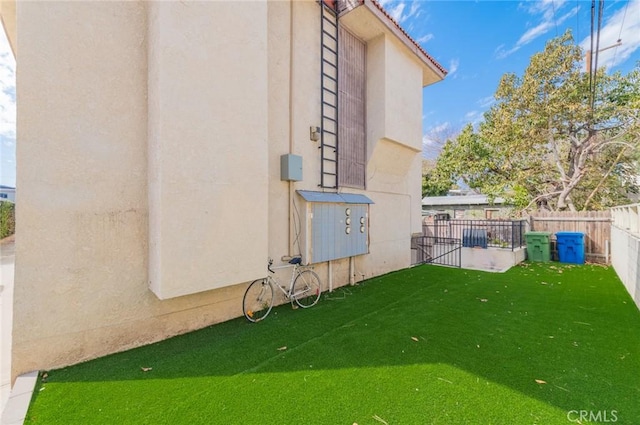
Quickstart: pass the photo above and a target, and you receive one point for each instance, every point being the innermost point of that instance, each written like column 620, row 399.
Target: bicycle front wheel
column 306, row 289
column 258, row 300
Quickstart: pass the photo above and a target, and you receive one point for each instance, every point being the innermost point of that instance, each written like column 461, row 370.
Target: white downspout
column 352, row 272
column 330, row 276
column 291, row 246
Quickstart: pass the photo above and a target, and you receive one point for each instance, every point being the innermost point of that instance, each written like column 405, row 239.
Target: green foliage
column 435, row 184
column 548, row 142
column 7, row 219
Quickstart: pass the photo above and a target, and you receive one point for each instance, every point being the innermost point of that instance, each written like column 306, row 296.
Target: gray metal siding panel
column 329, row 240
column 359, row 240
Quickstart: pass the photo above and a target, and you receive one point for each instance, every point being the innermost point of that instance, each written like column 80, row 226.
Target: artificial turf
column 539, row 344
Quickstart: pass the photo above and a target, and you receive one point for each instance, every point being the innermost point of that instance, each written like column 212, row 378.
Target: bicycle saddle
column 295, row 260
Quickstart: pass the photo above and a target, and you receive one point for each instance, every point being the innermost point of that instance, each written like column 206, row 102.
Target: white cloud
column 548, row 9
column 428, row 142
column 453, row 67
column 474, row 117
column 486, row 102
column 425, row 38
column 544, row 27
column 609, row 33
column 7, row 113
column 435, row 138
column 396, row 11
column 399, row 10
column 7, row 86
column 440, row 128
column 501, row 53
column 415, row 6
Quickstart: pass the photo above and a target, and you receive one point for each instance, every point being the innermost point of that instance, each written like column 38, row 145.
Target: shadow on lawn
column 574, row 328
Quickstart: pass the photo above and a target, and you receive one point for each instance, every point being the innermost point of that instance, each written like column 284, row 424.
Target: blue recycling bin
column 570, row 247
column 474, row 238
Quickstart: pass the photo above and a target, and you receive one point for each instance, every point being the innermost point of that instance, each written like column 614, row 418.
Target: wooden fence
column 595, row 224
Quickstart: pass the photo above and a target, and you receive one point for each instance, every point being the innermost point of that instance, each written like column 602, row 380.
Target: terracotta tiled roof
column 418, row 46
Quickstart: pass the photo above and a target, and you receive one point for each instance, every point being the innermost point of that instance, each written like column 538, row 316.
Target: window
column 4, row 195
column 351, row 110
column 491, row 214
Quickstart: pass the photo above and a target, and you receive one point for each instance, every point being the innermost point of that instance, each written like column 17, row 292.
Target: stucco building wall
column 160, row 127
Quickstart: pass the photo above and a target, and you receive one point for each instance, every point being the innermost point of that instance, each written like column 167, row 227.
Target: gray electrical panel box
column 337, row 225
column 291, row 167
column 339, row 231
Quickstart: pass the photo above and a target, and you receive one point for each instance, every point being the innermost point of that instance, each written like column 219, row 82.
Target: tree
column 7, row 219
column 433, row 182
column 550, row 141
column 436, row 181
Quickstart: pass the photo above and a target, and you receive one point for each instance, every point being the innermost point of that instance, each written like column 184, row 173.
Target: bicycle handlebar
column 269, row 265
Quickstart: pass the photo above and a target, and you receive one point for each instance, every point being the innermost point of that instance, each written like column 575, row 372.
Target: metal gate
column 443, row 251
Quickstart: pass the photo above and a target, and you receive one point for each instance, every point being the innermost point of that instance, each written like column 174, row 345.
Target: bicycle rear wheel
column 258, row 300
column 306, row 289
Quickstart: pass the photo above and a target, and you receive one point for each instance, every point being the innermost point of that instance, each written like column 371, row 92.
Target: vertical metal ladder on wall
column 328, row 96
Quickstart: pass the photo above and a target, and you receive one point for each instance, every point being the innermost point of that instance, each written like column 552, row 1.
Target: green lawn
column 427, row 345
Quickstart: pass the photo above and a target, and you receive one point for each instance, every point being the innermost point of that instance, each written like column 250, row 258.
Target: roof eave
column 432, row 70
column 8, row 17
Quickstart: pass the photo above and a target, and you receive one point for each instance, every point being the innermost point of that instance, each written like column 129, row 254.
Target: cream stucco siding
column 159, row 126
column 403, row 97
column 394, row 95
column 207, row 145
column 394, row 104
column 81, row 142
column 280, row 71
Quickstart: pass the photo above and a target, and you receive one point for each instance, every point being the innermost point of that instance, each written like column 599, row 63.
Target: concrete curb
column 16, row 408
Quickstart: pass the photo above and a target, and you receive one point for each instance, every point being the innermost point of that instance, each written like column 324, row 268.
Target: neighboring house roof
column 459, row 200
column 3, row 187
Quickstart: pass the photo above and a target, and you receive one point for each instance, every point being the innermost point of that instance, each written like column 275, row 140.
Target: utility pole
column 590, row 54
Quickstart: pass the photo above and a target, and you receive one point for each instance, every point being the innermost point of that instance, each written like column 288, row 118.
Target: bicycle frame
column 275, row 282
column 304, row 290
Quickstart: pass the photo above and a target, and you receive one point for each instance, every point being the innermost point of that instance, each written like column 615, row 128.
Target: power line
column 623, row 18
column 590, row 66
column 615, row 52
column 596, row 53
column 577, row 20
column 555, row 20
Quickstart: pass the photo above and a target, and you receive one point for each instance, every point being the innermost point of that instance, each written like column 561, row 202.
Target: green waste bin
column 538, row 247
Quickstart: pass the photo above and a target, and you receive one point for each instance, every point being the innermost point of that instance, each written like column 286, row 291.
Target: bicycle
column 304, row 290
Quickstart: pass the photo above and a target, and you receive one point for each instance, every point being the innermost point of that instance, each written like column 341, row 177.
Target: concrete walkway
column 15, row 410
column 7, row 260
column 14, row 403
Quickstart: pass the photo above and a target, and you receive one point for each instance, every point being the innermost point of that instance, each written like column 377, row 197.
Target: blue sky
column 477, row 41
column 7, row 114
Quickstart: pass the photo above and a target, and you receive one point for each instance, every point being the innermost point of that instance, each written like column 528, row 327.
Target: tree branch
column 539, row 197
column 599, row 147
column 557, row 161
column 593, row 192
